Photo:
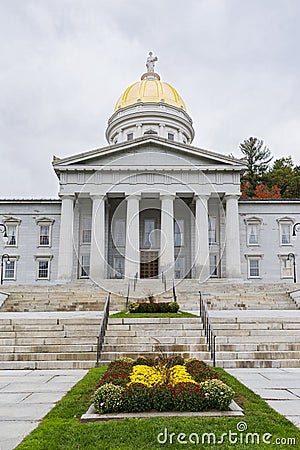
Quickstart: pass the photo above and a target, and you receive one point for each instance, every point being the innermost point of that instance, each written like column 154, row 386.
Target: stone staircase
column 242, row 296
column 78, row 296
column 48, row 340
column 259, row 339
column 133, row 337
column 55, row 326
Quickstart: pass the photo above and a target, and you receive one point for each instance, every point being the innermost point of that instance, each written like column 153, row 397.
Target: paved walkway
column 280, row 388
column 26, row 396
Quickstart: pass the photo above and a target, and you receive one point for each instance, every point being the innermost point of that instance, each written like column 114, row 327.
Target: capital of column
column 163, row 196
column 97, row 196
column 67, row 196
column 202, row 197
column 231, row 197
column 133, row 197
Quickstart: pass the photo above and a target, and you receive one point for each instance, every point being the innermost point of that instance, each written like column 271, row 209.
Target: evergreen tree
column 286, row 176
column 257, row 158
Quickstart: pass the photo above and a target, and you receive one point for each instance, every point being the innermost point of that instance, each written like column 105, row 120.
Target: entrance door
column 149, row 265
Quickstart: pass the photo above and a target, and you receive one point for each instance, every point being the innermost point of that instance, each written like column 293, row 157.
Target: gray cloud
column 64, row 63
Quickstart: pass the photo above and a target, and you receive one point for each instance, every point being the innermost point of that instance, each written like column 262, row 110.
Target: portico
column 146, row 234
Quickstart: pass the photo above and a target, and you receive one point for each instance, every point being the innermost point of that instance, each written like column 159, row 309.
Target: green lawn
column 125, row 315
column 61, row 429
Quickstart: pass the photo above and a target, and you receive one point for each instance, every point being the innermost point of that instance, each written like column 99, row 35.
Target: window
column 119, row 233
column 285, row 233
column 170, row 136
column 86, row 233
column 130, row 137
column 45, row 231
column 252, row 233
column 149, row 227
column 179, row 268
column 254, row 267
column 179, row 233
column 9, row 272
column 213, row 269
column 43, row 269
column 85, row 266
column 286, row 267
column 212, row 234
column 44, row 235
column 119, row 267
column 12, row 235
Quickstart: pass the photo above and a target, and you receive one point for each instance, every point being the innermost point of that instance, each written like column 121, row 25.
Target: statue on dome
column 150, row 62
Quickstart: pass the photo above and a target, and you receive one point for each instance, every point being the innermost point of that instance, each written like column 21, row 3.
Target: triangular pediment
column 149, row 152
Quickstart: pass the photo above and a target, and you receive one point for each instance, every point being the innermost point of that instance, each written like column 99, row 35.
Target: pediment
column 148, row 153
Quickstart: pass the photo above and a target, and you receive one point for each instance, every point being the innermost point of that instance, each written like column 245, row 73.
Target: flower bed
column 161, row 384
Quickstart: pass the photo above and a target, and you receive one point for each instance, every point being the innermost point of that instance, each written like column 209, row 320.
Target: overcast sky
column 64, row 63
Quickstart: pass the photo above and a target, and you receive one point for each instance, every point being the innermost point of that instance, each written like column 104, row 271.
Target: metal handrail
column 164, row 280
column 127, row 296
column 102, row 329
column 174, row 293
column 135, row 280
column 208, row 328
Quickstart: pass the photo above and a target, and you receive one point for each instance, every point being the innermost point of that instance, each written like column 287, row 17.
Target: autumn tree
column 257, row 159
column 262, row 191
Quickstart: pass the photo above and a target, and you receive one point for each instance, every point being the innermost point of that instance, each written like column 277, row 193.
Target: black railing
column 174, row 293
column 164, row 281
column 208, row 329
column 102, row 329
column 135, row 280
column 127, row 296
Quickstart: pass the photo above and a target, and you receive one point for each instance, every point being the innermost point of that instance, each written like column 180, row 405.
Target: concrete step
column 46, row 365
column 44, row 356
column 258, row 364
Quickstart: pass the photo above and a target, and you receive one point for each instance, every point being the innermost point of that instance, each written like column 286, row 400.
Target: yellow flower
column 151, row 376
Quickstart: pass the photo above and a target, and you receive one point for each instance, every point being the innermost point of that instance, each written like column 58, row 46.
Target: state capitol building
column 149, row 204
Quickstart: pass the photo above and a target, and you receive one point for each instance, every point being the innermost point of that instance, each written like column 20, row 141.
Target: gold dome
column 150, row 89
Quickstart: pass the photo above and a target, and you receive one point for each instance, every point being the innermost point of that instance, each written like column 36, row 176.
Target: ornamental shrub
column 175, row 360
column 173, row 307
column 117, row 373
column 217, row 394
column 146, row 307
column 200, row 371
column 188, row 397
column 136, row 398
column 163, row 397
column 144, row 360
column 108, row 398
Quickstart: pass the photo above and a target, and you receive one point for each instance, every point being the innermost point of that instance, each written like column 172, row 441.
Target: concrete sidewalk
column 26, row 396
column 280, row 388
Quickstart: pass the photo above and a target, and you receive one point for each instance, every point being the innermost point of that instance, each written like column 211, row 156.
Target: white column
column 233, row 259
column 162, row 132
column 139, row 129
column 132, row 249
column 65, row 255
column 167, row 236
column 201, row 238
column 97, row 257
